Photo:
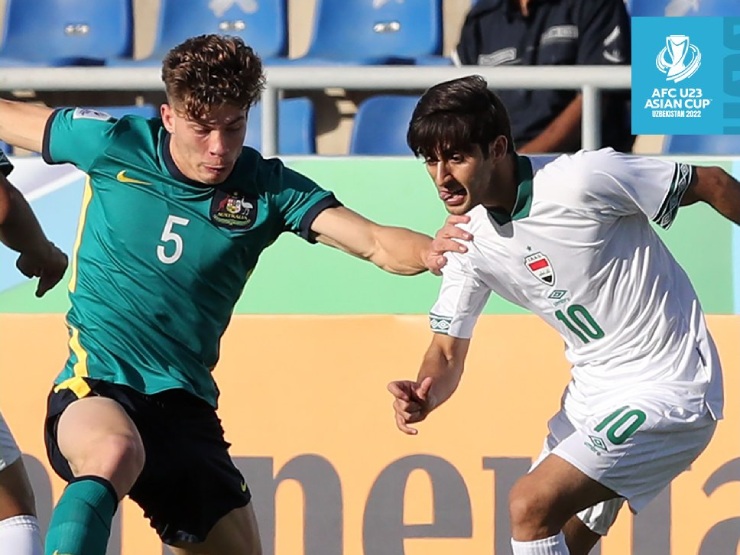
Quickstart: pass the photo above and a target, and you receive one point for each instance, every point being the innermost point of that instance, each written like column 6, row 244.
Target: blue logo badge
column 685, row 75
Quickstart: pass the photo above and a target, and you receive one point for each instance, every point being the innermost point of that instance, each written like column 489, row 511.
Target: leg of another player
column 579, row 537
column 543, row 501
column 19, row 529
column 106, row 455
column 234, row 534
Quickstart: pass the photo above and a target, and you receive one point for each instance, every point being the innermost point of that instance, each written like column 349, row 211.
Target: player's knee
column 529, row 513
column 117, row 457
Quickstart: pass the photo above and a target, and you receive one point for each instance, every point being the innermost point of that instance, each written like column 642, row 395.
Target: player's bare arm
column 717, row 188
column 438, row 378
column 21, row 232
column 394, row 249
column 22, row 124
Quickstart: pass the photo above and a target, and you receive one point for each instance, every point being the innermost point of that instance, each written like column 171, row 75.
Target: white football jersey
column 579, row 251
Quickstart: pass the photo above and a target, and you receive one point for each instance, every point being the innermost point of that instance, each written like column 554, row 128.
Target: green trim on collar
column 523, row 202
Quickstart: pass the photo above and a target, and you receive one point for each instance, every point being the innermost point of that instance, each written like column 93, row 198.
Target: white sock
column 554, row 545
column 20, row 535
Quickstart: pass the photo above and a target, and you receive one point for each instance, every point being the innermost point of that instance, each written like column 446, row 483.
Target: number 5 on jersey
column 170, row 236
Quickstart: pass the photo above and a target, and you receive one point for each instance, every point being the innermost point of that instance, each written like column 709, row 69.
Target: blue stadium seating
column 376, row 32
column 702, row 144
column 262, row 24
column 381, row 124
column 65, row 32
column 296, row 127
column 660, row 8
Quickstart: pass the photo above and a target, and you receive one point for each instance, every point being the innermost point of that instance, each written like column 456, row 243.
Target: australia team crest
column 539, row 266
column 233, row 209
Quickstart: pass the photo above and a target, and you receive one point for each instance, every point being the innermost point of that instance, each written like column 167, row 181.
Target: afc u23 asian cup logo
column 679, row 59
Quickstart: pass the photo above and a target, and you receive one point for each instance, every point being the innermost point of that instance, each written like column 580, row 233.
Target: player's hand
column 48, row 265
column 411, row 403
column 445, row 241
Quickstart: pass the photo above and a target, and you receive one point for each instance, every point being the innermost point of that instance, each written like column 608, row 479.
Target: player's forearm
column 445, row 371
column 400, row 251
column 562, row 134
column 22, row 124
column 19, row 228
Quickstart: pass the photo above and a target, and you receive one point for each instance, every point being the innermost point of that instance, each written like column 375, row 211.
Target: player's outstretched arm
column 22, row 124
column 438, row 379
column 394, row 249
column 717, row 188
column 20, row 231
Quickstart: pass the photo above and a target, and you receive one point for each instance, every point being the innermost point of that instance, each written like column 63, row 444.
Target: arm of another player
column 21, row 232
column 22, row 124
column 717, row 188
column 394, row 249
column 438, row 379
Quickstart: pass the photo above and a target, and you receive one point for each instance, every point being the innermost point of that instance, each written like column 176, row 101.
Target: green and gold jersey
column 160, row 260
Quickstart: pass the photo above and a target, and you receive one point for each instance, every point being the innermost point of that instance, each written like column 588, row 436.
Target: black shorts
column 189, row 481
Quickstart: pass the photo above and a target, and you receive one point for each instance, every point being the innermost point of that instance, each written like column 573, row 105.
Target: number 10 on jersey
column 578, row 320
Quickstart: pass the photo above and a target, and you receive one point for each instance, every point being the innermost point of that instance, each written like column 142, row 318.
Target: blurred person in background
column 572, row 240
column 552, row 32
column 175, row 215
column 38, row 257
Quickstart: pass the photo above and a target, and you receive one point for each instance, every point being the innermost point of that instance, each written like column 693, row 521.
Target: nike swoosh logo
column 123, row 178
column 57, row 553
column 244, row 487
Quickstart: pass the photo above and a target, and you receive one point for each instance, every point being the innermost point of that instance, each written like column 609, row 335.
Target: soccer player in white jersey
column 20, row 231
column 572, row 241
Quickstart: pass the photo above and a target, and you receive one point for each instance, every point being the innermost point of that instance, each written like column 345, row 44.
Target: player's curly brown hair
column 208, row 71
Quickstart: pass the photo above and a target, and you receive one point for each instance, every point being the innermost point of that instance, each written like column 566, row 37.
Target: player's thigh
column 236, row 533
column 16, row 495
column 552, row 492
column 96, row 436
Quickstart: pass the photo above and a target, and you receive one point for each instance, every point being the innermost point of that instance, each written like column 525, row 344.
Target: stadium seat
column 65, row 32
column 376, row 32
column 684, row 8
column 702, row 144
column 262, row 24
column 296, row 127
column 381, row 124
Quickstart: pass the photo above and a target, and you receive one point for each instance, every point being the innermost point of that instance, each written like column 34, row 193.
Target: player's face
column 462, row 179
column 206, row 150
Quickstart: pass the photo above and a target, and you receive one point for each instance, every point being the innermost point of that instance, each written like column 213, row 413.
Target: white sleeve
column 462, row 297
column 624, row 184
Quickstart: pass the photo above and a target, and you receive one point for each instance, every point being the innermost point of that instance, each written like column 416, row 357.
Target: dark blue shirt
column 556, row 32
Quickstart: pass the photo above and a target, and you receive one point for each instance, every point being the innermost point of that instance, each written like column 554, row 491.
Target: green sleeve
column 76, row 136
column 299, row 199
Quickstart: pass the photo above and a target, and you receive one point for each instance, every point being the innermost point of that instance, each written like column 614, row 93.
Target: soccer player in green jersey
column 175, row 215
column 38, row 257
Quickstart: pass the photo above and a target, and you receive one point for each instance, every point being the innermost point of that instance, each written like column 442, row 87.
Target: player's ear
column 497, row 148
column 168, row 115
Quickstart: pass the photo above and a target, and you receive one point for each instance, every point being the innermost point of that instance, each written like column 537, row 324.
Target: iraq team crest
column 539, row 265
column 233, row 209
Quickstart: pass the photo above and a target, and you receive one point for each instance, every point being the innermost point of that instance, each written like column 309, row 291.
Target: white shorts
column 9, row 452
column 635, row 448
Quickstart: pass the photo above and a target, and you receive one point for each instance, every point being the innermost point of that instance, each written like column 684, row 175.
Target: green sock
column 81, row 521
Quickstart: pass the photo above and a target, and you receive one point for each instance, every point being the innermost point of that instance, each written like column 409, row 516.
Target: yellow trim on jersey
column 80, row 367
column 86, row 197
column 77, row 385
